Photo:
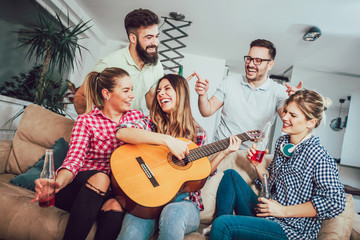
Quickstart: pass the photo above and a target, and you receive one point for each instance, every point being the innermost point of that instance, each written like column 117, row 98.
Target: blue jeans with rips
column 234, row 194
column 176, row 219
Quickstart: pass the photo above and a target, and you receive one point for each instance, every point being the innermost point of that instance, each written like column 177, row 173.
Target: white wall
column 350, row 155
column 208, row 68
column 10, row 107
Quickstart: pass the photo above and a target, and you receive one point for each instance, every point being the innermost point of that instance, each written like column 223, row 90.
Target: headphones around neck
column 289, row 148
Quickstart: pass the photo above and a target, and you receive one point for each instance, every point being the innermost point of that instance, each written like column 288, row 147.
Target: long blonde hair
column 180, row 122
column 95, row 82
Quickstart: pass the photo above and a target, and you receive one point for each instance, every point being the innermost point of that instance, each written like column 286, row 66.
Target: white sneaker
column 206, row 231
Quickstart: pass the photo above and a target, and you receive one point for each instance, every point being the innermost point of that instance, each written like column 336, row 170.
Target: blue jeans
column 234, row 194
column 176, row 220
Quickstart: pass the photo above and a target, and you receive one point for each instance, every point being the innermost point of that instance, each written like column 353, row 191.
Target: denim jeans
column 234, row 194
column 176, row 220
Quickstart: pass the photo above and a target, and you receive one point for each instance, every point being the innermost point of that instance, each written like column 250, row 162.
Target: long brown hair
column 180, row 122
column 95, row 82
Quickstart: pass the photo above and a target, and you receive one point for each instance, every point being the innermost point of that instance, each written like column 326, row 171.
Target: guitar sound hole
column 178, row 162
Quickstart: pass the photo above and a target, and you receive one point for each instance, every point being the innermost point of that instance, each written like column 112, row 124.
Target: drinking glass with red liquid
column 262, row 143
column 47, row 178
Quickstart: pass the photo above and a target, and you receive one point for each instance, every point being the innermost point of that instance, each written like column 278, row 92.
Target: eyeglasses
column 257, row 61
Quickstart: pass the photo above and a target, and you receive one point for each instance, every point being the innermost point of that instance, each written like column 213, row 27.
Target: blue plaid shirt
column 310, row 174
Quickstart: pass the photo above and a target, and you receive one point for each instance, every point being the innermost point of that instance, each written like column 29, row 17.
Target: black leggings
column 84, row 205
column 66, row 197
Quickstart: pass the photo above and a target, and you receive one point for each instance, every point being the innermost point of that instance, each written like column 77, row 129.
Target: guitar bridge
column 147, row 172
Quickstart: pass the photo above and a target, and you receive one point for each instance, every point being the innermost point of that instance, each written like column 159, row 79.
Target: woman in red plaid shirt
column 82, row 182
column 171, row 118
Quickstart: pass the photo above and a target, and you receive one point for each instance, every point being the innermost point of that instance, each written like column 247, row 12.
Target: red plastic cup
column 258, row 156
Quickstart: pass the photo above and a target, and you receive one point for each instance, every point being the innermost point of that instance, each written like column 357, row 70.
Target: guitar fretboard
column 214, row 147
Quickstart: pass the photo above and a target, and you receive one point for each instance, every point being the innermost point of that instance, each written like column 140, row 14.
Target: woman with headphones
column 303, row 182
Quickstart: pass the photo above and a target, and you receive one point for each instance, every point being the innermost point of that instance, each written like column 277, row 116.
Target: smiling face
column 121, row 96
column 258, row 72
column 166, row 96
column 295, row 122
column 147, row 43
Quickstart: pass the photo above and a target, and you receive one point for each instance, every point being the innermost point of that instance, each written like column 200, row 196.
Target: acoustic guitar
column 146, row 177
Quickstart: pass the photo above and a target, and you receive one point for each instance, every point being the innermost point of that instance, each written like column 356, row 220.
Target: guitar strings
column 194, row 154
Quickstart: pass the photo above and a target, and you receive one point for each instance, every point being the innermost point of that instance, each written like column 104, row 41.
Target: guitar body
column 147, row 177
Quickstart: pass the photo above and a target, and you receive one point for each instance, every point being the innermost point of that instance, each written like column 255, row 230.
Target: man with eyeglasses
column 250, row 101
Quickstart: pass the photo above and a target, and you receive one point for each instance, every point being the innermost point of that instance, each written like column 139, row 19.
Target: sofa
column 40, row 128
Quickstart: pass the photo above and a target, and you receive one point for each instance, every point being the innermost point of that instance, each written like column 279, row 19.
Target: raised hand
column 291, row 90
column 201, row 85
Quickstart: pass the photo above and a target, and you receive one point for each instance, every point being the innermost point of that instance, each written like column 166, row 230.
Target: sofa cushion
column 339, row 228
column 38, row 129
column 26, row 180
column 355, row 233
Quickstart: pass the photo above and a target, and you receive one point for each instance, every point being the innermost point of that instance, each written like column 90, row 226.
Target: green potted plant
column 54, row 44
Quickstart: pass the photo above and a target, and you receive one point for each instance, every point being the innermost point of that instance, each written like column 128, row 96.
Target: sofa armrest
column 5, row 147
column 339, row 228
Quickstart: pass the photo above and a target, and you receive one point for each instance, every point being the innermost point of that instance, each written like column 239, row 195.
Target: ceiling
column 224, row 29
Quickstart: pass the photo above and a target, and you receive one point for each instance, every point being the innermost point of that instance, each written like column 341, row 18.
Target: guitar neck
column 214, row 147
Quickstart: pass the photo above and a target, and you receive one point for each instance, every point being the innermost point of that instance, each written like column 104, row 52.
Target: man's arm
column 80, row 100
column 207, row 107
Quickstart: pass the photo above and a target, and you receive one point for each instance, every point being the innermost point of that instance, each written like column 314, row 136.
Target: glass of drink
column 47, row 178
column 261, row 143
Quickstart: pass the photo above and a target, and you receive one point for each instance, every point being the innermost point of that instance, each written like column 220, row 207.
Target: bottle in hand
column 47, row 177
column 265, row 186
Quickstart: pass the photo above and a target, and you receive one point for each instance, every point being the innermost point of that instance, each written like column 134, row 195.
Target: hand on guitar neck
column 146, row 177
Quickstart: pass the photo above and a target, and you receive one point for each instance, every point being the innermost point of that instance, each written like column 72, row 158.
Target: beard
column 145, row 56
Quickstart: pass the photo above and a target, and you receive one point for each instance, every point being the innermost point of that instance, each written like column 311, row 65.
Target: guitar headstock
column 254, row 135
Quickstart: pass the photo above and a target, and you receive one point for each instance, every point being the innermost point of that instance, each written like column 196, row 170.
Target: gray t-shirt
column 246, row 108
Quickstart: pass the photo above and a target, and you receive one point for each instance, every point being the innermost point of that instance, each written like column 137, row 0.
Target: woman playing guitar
column 171, row 118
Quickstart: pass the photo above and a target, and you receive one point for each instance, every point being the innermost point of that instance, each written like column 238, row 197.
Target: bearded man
column 140, row 59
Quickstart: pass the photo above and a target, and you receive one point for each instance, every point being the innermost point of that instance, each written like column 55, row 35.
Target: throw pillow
column 26, row 180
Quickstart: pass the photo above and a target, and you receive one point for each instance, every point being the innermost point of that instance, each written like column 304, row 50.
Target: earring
column 107, row 99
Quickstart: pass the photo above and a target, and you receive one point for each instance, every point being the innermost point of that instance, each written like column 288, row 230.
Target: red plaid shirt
column 147, row 124
column 93, row 141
